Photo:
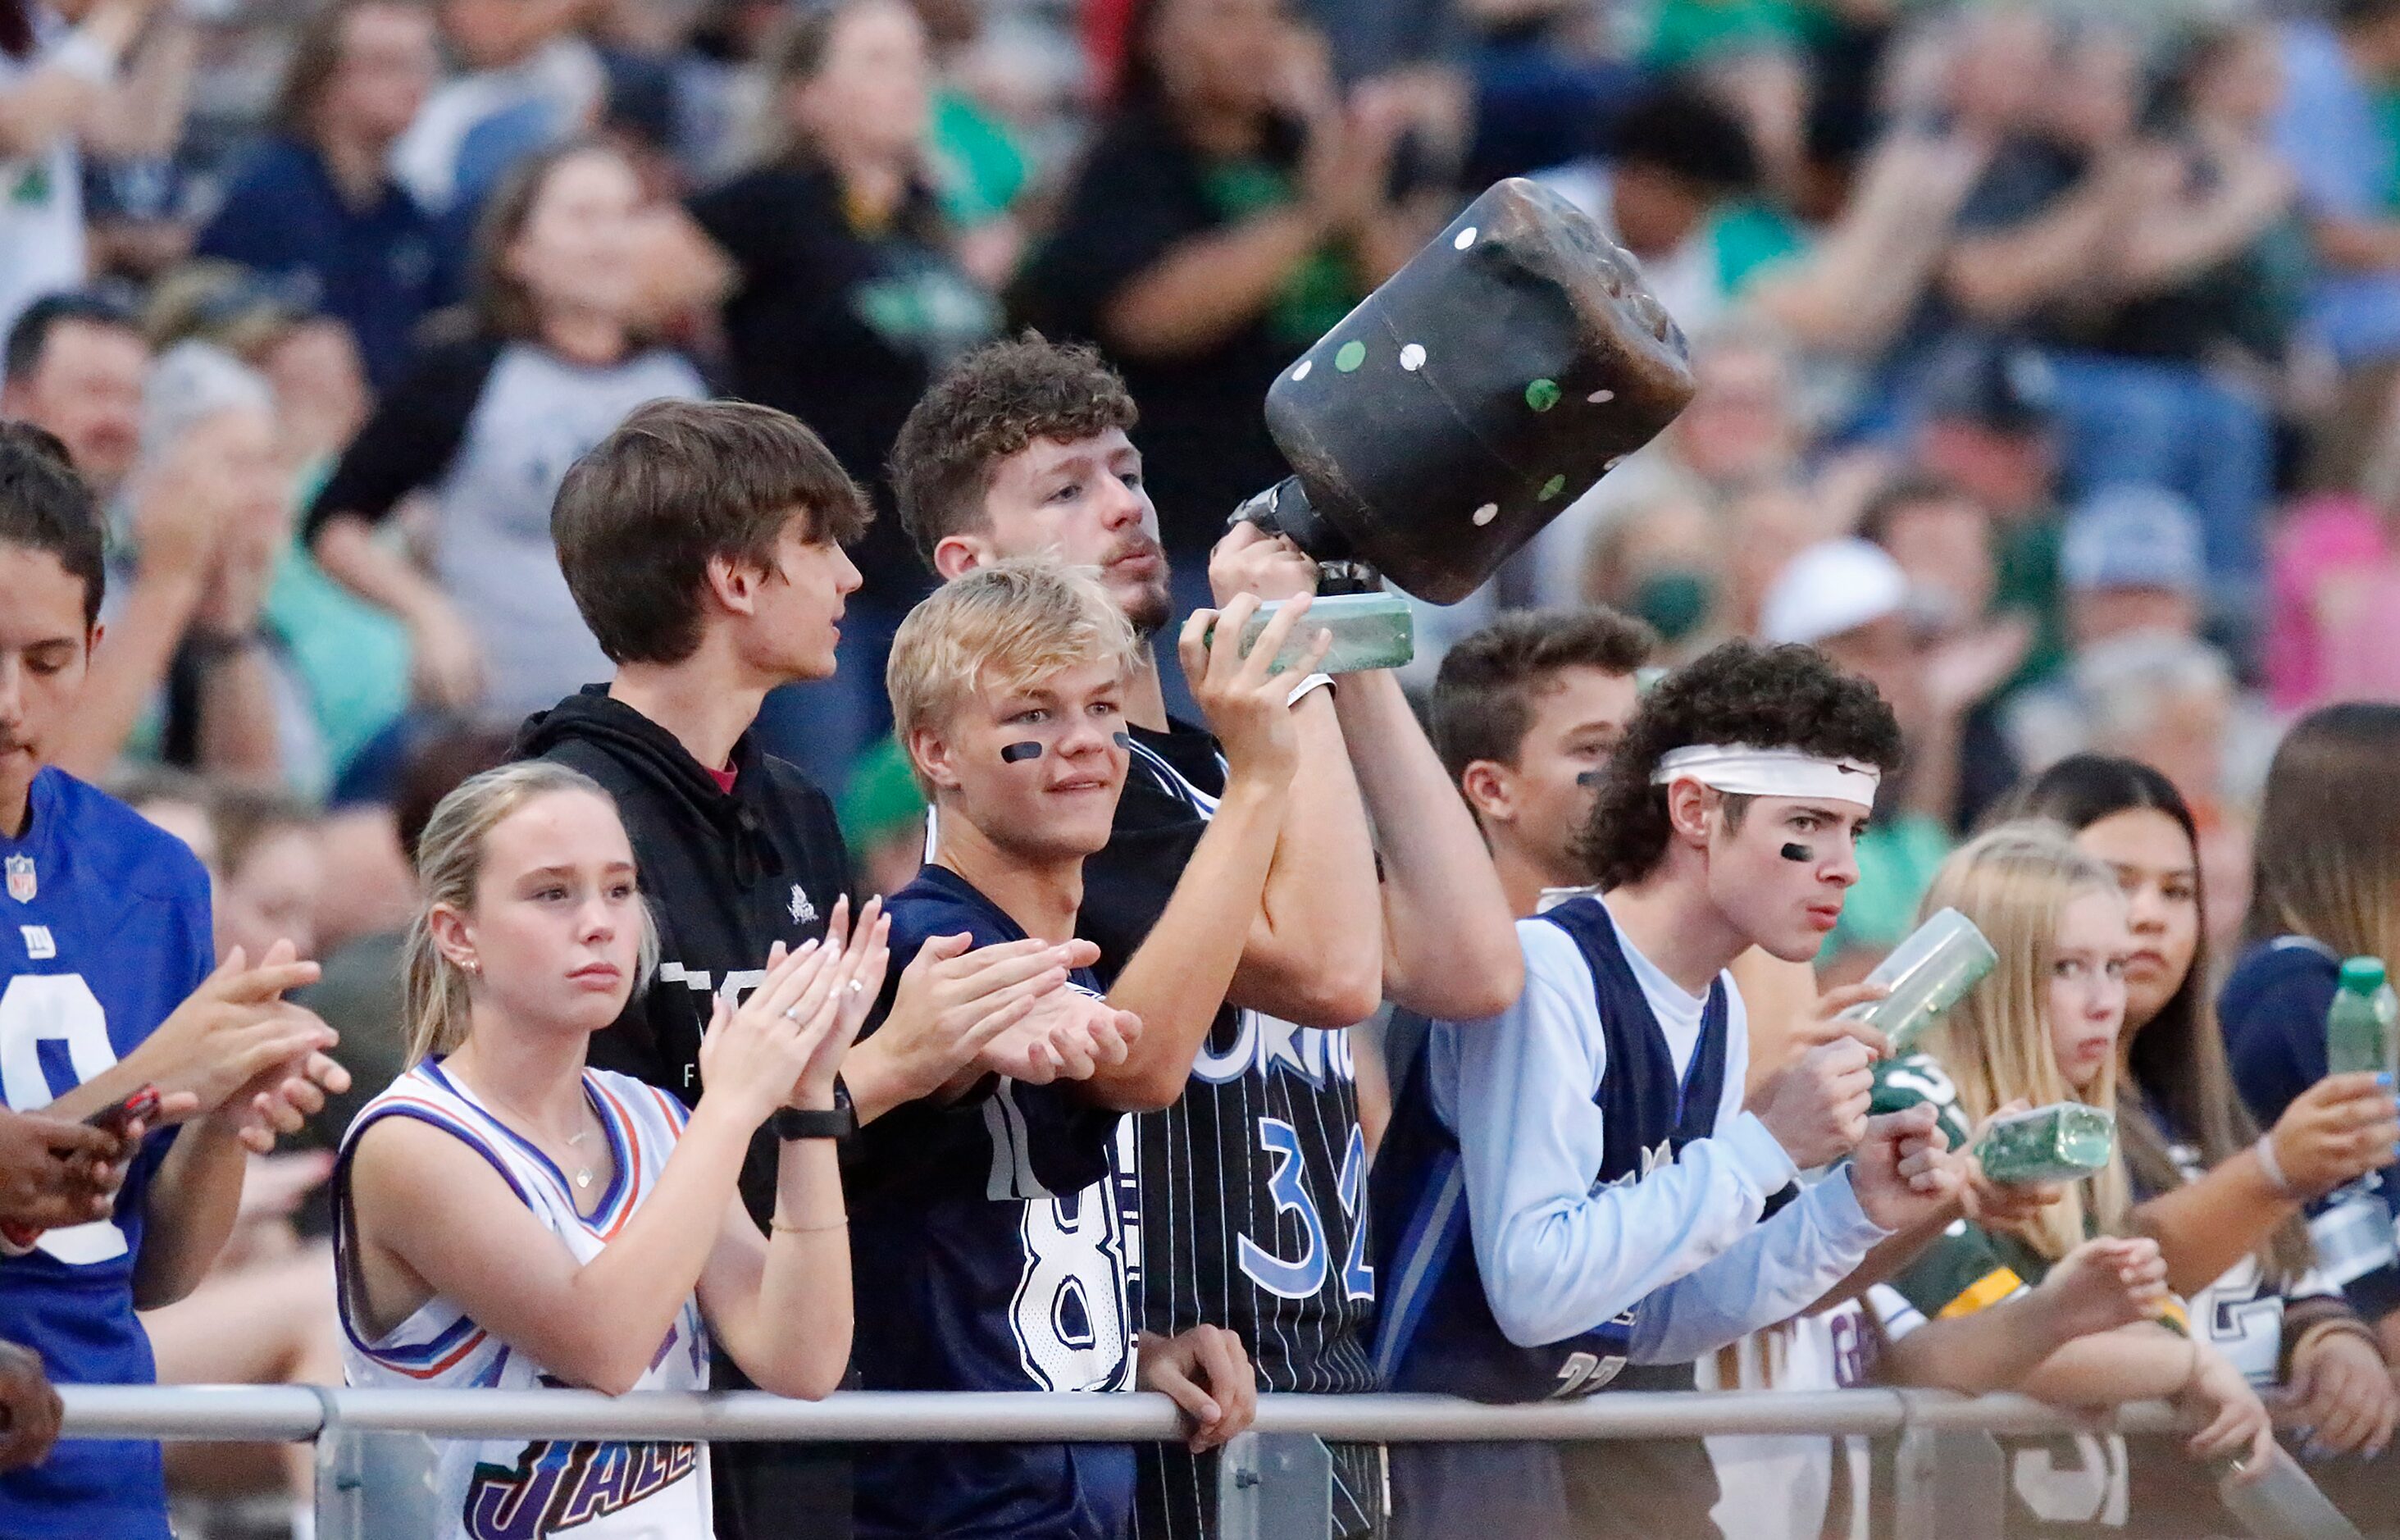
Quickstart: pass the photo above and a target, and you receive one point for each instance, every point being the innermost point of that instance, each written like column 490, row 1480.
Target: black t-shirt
column 842, row 327
column 1141, row 192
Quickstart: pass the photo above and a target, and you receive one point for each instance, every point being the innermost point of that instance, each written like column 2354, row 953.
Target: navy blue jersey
column 2272, row 1012
column 993, row 1242
column 103, row 931
column 1439, row 1334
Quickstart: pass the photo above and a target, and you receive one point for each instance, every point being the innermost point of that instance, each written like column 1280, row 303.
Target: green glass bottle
column 1370, row 631
column 2066, row 1142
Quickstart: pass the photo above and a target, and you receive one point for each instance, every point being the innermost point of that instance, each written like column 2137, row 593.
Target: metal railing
column 372, row 1443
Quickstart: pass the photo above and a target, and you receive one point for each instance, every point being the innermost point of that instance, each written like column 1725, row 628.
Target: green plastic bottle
column 2360, row 1036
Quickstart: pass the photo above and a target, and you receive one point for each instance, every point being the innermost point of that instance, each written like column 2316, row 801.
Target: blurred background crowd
column 2049, row 366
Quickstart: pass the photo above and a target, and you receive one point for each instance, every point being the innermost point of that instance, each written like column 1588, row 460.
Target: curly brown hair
column 990, row 405
column 1764, row 697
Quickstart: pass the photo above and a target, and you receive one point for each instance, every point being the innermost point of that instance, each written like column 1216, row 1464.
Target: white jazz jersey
column 516, row 1488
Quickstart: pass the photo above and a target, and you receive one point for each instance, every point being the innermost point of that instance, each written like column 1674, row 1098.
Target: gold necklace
column 583, row 1174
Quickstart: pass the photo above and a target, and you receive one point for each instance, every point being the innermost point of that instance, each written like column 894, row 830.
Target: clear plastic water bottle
column 1370, row 631
column 2361, row 1036
column 1926, row 973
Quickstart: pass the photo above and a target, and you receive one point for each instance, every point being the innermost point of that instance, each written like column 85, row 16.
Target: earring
column 474, row 967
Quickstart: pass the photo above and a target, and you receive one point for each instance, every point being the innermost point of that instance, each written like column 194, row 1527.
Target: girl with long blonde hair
column 2042, row 1029
column 507, row 1217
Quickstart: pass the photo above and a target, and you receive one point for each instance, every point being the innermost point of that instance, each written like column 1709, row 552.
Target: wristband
column 85, row 57
column 839, row 1121
column 1315, row 681
column 2274, row 1168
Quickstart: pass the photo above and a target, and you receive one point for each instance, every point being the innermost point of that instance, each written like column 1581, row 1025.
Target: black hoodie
column 726, row 874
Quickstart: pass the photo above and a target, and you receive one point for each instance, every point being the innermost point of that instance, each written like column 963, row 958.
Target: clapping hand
column 957, row 1009
column 782, row 1045
column 1069, row 1034
column 236, row 1038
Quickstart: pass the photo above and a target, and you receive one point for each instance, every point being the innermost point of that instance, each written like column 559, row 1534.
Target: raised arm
column 411, row 436
column 1449, row 943
column 66, row 94
column 1181, row 973
column 1315, row 952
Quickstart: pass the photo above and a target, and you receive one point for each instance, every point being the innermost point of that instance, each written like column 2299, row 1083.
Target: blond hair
column 449, row 866
column 2015, row 883
column 1001, row 628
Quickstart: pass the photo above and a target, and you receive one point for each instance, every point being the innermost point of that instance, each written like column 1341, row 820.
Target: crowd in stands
column 357, row 396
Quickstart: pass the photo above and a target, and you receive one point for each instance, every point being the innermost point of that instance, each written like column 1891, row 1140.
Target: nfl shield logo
column 21, row 878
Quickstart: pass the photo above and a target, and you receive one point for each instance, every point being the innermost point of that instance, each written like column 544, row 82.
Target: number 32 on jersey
column 1302, row 1278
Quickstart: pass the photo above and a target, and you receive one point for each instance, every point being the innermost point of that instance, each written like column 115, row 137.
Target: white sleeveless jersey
column 519, row 1489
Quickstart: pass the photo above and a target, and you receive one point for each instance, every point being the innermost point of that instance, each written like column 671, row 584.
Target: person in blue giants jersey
column 995, row 1226
column 105, row 987
column 1572, row 1197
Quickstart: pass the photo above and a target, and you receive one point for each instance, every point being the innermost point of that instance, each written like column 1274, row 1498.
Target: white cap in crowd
column 1830, row 588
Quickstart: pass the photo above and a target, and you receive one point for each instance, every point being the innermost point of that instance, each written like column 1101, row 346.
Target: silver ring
column 791, row 1013
column 856, row 984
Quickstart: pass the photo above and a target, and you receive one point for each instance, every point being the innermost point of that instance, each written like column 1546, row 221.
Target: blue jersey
column 1439, row 1333
column 991, row 1241
column 104, row 931
column 1569, row 1199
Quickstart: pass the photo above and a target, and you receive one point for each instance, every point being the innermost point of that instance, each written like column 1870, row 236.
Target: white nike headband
column 1747, row 771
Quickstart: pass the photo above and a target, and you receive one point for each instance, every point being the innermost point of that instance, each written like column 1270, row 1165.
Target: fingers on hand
column 1191, row 646
column 1832, row 1002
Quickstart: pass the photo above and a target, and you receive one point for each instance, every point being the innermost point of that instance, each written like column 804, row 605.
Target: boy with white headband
column 1570, row 1197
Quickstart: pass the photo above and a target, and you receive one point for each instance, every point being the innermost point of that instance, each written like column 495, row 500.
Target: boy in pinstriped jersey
column 1253, row 1182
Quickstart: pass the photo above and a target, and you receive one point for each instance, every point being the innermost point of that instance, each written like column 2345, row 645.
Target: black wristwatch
column 838, row 1123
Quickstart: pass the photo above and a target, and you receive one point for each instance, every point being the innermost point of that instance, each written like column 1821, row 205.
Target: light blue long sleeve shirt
column 1558, row 1256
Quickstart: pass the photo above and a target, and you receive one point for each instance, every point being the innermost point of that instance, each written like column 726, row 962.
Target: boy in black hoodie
column 704, row 544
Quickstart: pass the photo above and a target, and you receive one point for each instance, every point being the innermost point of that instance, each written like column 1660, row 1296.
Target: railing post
column 374, row 1486
column 1950, row 1484
column 1275, row 1486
